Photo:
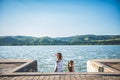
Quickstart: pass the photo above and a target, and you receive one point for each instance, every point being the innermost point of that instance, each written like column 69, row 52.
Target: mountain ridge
column 71, row 40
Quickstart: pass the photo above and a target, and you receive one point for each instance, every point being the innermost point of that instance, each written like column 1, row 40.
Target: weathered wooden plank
column 29, row 78
column 67, row 77
column 103, row 77
column 36, row 77
column 52, row 78
column 1, row 78
column 91, row 77
column 46, row 78
column 19, row 78
column 77, row 77
column 63, row 77
column 41, row 78
column 14, row 78
column 110, row 77
column 73, row 77
column 83, row 77
column 96, row 77
column 5, row 78
column 25, row 77
column 115, row 77
column 10, row 78
column 57, row 77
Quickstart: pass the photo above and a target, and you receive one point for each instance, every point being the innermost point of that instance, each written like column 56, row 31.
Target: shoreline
column 60, row 45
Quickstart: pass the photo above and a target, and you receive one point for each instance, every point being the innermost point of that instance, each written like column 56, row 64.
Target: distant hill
column 73, row 40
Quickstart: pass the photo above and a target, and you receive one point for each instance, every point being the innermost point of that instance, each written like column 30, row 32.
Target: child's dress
column 58, row 65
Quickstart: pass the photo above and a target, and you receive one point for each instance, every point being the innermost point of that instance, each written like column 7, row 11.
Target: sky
column 59, row 18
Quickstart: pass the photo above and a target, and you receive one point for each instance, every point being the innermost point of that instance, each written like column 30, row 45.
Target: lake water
column 45, row 55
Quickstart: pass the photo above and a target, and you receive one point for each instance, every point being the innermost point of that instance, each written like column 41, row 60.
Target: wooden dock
column 27, row 70
column 61, row 76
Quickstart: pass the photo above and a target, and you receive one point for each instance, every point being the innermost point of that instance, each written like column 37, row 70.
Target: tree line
column 72, row 40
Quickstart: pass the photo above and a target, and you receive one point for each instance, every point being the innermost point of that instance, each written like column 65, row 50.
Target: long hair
column 60, row 56
column 71, row 62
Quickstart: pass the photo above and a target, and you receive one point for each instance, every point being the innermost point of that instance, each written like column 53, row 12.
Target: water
column 45, row 55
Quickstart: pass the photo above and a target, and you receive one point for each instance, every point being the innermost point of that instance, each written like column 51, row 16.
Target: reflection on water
column 46, row 58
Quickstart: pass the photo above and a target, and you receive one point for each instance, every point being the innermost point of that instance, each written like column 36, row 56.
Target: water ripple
column 45, row 55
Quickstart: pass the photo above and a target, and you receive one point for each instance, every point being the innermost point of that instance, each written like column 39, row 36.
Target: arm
column 55, row 69
column 68, row 67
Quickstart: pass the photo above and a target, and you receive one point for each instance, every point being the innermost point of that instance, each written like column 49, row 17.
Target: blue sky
column 59, row 18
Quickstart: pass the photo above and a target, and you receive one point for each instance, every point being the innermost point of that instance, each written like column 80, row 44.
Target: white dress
column 58, row 66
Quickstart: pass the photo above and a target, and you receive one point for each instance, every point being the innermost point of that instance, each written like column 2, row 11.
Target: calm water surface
column 45, row 55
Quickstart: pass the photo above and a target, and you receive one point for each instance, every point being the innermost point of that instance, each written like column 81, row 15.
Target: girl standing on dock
column 71, row 66
column 59, row 63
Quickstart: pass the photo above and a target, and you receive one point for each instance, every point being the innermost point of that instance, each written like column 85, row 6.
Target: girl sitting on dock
column 59, row 63
column 71, row 66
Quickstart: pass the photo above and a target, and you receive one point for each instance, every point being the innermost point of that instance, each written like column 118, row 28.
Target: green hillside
column 73, row 40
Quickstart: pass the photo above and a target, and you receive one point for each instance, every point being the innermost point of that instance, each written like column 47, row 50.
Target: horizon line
column 62, row 36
